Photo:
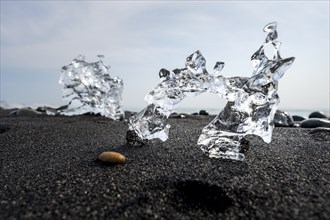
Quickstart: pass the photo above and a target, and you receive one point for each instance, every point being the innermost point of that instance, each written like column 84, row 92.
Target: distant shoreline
column 188, row 110
column 215, row 111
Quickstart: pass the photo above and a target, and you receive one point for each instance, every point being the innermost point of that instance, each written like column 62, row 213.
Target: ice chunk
column 252, row 111
column 150, row 123
column 252, row 102
column 89, row 88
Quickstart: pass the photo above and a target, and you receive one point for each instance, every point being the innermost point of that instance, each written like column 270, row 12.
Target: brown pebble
column 112, row 157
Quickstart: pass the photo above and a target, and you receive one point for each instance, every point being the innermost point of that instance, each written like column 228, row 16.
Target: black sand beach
column 49, row 170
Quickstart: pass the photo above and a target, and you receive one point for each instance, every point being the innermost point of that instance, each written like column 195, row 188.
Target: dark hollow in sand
column 49, row 170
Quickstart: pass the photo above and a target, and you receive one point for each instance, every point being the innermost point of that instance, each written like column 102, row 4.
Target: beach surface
column 50, row 170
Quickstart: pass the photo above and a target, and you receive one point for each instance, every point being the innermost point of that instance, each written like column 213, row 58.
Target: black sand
column 49, row 170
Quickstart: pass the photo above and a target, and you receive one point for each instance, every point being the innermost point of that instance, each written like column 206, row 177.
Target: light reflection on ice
column 252, row 102
column 89, row 88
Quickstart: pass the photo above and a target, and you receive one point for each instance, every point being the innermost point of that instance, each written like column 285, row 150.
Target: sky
column 138, row 38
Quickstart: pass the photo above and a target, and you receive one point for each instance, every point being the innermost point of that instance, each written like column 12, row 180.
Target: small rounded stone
column 315, row 122
column 203, row 112
column 298, row 118
column 112, row 157
column 319, row 129
column 317, row 114
column 283, row 119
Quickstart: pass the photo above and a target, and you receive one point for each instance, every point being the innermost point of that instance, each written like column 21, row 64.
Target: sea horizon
column 304, row 112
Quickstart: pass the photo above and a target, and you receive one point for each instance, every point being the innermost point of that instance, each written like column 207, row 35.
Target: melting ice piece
column 150, row 123
column 253, row 108
column 89, row 89
column 252, row 102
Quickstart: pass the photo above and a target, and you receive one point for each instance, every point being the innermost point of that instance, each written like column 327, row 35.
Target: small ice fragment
column 218, row 67
column 271, row 27
column 164, row 74
column 252, row 102
column 101, row 57
column 89, row 88
column 271, row 30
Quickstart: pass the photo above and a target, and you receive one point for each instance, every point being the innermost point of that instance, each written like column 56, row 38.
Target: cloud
column 139, row 38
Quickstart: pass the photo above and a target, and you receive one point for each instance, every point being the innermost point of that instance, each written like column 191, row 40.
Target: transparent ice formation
column 252, row 101
column 89, row 89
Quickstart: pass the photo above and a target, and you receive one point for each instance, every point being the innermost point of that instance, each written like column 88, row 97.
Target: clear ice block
column 89, row 88
column 252, row 111
column 150, row 123
column 252, row 102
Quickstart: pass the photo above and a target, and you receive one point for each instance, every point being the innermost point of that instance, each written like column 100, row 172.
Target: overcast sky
column 140, row 37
